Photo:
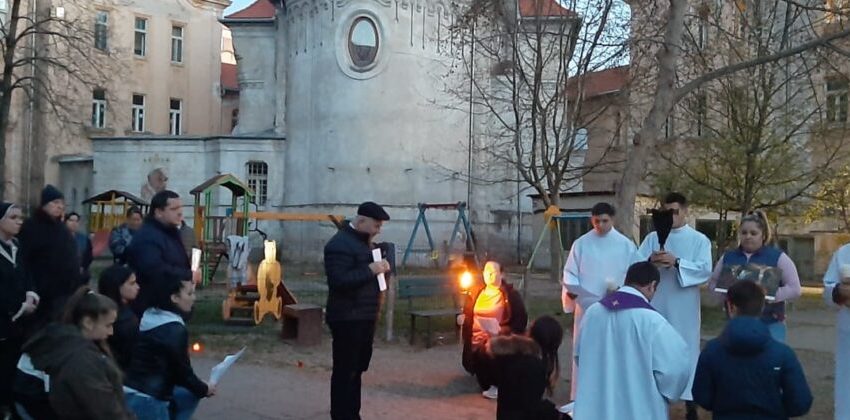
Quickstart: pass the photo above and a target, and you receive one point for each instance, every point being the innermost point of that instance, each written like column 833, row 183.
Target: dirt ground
column 279, row 381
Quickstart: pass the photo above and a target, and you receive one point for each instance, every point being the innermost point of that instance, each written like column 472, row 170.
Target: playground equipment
column 108, row 210
column 553, row 221
column 267, row 296
column 460, row 223
column 211, row 228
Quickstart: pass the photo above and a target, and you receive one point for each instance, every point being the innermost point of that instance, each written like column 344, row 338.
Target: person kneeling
column 496, row 309
column 160, row 382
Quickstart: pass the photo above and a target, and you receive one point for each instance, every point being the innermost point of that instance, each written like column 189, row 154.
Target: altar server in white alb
column 597, row 263
column 632, row 362
column 836, row 292
column 685, row 263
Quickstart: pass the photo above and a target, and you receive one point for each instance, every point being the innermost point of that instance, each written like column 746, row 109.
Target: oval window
column 363, row 42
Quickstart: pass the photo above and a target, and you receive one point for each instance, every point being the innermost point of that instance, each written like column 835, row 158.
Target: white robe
column 595, row 264
column 632, row 363
column 842, row 351
column 678, row 297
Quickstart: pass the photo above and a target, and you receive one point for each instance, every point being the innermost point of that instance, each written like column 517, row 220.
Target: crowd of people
column 116, row 347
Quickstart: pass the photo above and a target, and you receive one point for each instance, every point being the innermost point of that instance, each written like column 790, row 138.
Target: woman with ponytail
column 755, row 247
column 83, row 380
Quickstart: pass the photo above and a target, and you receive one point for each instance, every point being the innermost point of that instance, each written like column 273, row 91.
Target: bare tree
column 49, row 56
column 797, row 29
column 525, row 64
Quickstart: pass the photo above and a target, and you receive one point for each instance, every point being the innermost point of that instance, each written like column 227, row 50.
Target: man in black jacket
column 353, row 303
column 156, row 253
column 48, row 252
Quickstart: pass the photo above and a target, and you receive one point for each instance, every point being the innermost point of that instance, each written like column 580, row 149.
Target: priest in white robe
column 597, row 263
column 685, row 264
column 632, row 363
column 836, row 293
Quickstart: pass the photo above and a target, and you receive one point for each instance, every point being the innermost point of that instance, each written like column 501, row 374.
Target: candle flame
column 196, row 347
column 466, row 280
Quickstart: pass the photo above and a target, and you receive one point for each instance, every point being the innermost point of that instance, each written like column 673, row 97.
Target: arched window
column 363, row 42
column 258, row 180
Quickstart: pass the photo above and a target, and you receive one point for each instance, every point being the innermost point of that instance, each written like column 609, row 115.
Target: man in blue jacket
column 156, row 253
column 746, row 374
column 353, row 303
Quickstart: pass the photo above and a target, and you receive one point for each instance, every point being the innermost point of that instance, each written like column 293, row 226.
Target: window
column 141, row 37
column 176, row 44
column 836, row 100
column 363, row 42
column 258, row 180
column 98, row 108
column 175, row 117
column 234, row 118
column 701, row 109
column 138, row 120
column 702, row 32
column 101, row 30
column 572, row 226
column 668, row 127
column 581, row 139
column 4, row 11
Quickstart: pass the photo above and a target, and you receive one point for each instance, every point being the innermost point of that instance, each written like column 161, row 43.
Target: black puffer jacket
column 353, row 293
column 161, row 357
column 514, row 318
column 125, row 330
column 157, row 256
column 49, row 253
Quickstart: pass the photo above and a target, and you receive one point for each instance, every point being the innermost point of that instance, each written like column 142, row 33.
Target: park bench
column 441, row 290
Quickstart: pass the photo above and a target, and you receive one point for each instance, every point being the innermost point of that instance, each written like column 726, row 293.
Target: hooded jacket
column 85, row 383
column 521, row 380
column 160, row 358
column 746, row 374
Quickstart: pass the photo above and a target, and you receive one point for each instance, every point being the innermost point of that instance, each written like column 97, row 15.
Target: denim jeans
column 778, row 331
column 145, row 407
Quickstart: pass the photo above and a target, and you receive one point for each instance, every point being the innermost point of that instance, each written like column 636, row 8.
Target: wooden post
column 390, row 314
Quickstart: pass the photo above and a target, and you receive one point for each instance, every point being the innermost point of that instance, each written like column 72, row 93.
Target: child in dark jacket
column 160, row 382
column 119, row 284
column 528, row 368
column 744, row 373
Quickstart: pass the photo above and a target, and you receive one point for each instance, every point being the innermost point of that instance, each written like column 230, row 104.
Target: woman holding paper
column 756, row 253
column 16, row 300
column 496, row 309
column 160, row 371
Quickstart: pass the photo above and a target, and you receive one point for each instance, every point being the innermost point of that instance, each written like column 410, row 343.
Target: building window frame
column 178, row 36
column 837, row 99
column 101, row 30
column 138, row 113
column 257, row 177
column 140, row 37
column 98, row 108
column 175, row 116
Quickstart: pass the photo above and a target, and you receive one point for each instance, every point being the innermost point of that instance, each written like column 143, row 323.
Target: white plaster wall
column 255, row 56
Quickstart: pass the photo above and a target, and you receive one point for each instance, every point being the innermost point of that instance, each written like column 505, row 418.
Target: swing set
column 461, row 223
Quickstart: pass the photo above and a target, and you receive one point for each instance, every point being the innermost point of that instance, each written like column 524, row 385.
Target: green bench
column 441, row 289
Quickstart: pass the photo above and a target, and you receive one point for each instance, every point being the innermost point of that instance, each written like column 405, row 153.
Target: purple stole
column 621, row 300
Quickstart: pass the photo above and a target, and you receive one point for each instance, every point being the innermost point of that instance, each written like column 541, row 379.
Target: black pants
column 352, row 352
column 483, row 367
column 10, row 352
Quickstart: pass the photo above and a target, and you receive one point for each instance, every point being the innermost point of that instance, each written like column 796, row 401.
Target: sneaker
column 492, row 393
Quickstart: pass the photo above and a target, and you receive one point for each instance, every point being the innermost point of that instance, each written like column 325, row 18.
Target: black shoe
column 691, row 411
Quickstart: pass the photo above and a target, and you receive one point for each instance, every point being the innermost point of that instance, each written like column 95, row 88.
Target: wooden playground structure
column 108, row 210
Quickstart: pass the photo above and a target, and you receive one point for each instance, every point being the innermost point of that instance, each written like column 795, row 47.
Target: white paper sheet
column 220, row 369
column 196, row 259
column 382, row 279
column 491, row 325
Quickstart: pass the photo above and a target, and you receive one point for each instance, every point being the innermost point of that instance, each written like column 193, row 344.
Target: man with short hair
column 632, row 360
column 744, row 373
column 353, row 305
column 597, row 263
column 685, row 264
column 156, row 253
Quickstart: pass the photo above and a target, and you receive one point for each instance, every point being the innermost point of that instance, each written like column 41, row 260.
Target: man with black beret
column 353, row 304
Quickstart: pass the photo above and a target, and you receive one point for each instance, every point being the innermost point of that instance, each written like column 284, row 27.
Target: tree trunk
column 665, row 92
column 556, row 254
column 6, row 88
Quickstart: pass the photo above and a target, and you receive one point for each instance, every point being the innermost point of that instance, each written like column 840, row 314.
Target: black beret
column 373, row 210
